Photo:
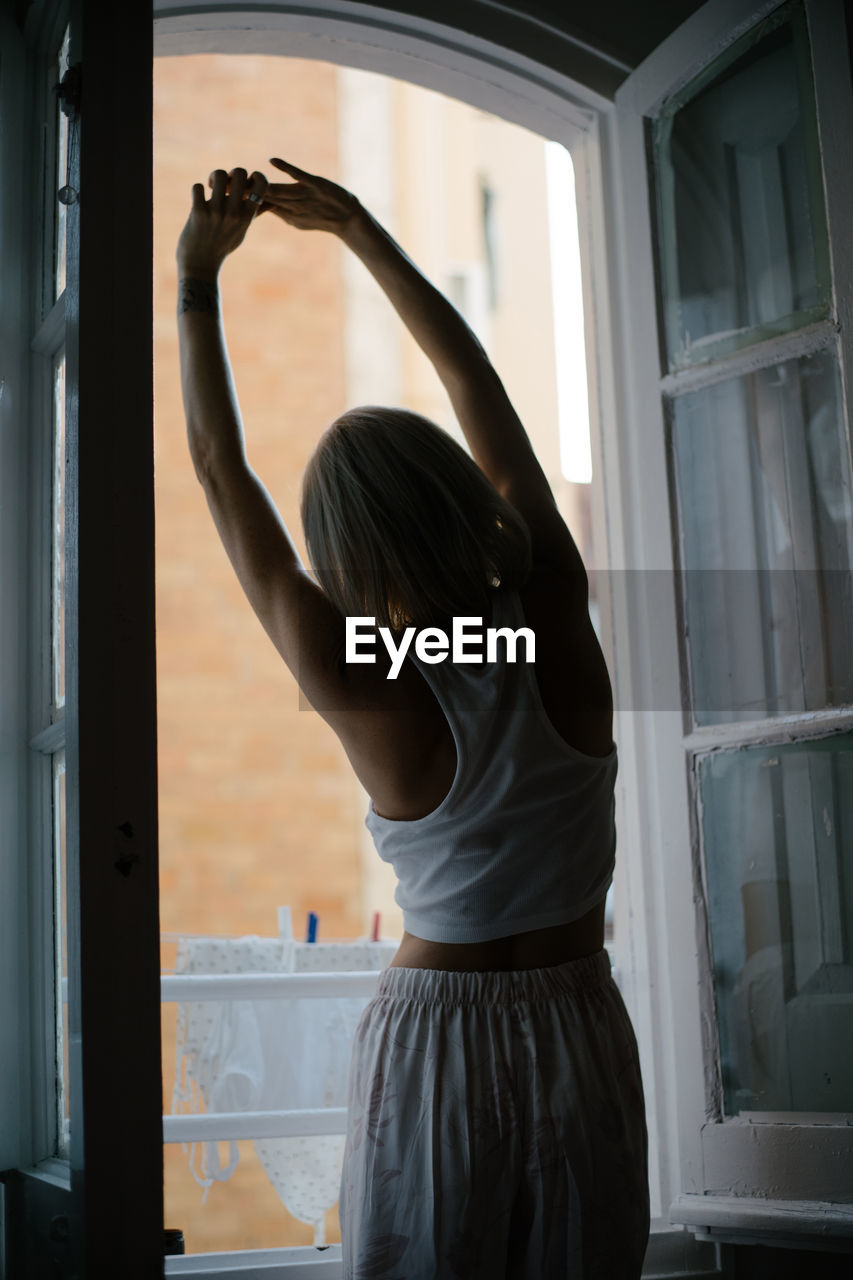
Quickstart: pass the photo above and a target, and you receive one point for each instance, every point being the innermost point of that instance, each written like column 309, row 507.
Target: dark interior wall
column 758, row 1262
column 625, row 29
column 622, row 30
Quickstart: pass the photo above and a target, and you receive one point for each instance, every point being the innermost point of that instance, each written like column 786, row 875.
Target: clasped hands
column 216, row 227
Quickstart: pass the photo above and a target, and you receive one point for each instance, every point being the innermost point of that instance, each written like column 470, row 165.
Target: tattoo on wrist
column 198, row 295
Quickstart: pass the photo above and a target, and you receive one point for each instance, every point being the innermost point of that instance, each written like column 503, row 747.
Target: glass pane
column 60, row 953
column 58, row 532
column 61, row 168
column 777, row 827
column 764, row 508
column 741, row 221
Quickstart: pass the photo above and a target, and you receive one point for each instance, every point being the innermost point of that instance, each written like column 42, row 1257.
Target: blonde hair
column 402, row 525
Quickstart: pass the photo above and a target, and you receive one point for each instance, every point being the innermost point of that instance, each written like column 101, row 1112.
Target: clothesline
column 227, row 937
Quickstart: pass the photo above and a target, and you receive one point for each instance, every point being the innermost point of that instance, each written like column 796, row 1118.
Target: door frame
column 518, row 85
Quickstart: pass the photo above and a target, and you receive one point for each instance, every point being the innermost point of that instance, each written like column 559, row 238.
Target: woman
column 496, row 1123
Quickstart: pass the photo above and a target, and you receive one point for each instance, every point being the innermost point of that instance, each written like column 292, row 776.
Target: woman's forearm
column 434, row 323
column 214, row 426
column 496, row 437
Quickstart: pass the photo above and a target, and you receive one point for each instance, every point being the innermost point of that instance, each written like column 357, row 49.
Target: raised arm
column 300, row 620
column 495, row 435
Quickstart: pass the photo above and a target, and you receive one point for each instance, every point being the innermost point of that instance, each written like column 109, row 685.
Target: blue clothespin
column 312, row 927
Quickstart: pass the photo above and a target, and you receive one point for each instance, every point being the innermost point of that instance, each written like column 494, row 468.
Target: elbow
column 210, row 461
column 200, row 456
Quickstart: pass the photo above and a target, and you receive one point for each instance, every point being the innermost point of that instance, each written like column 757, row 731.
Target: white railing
column 222, row 1126
column 191, row 988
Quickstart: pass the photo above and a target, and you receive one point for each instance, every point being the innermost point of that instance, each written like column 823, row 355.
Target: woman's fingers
column 217, row 227
column 300, row 174
column 230, row 191
column 256, row 187
column 218, row 181
column 237, row 180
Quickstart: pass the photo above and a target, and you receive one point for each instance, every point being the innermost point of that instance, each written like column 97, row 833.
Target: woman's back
column 406, row 758
column 409, row 770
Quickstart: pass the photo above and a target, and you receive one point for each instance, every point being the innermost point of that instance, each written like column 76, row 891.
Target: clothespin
column 285, row 924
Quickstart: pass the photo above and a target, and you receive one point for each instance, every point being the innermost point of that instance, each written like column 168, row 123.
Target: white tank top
column 525, row 837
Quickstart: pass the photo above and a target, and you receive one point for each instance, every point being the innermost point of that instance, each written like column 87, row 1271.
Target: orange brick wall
column 236, row 750
column 257, row 803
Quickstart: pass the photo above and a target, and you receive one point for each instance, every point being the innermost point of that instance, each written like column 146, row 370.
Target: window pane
column 60, row 952
column 58, row 532
column 741, row 221
column 61, row 168
column 764, row 507
column 777, row 826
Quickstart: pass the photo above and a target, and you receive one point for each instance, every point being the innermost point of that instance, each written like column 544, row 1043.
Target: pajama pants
column 496, row 1129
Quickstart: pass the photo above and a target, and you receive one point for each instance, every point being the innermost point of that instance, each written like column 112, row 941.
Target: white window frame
column 703, row 1158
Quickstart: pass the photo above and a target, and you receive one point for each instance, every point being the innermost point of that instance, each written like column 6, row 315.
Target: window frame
column 74, row 1214
column 579, row 118
column 46, row 719
column 662, row 960
column 706, row 1155
column 110, row 680
column 37, row 731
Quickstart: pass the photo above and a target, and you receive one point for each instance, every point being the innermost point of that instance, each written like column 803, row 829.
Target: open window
column 258, row 804
column 720, row 428
column 739, row 489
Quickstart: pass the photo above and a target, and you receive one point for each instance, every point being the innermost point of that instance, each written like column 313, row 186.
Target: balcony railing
column 224, row 1125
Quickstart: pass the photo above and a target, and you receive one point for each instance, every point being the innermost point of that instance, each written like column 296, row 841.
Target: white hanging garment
column 273, row 1055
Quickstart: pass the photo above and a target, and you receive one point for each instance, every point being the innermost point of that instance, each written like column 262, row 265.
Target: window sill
column 263, row 1264
column 804, row 1224
column 56, row 1172
column 672, row 1255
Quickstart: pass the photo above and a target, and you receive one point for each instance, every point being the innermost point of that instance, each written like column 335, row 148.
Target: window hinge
column 69, row 90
